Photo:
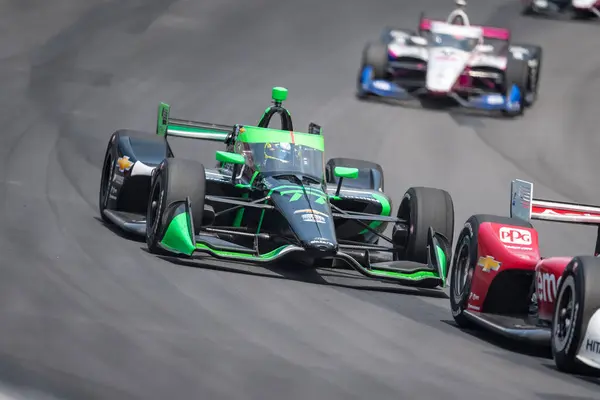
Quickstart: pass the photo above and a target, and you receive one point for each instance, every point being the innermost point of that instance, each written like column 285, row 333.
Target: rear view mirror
column 345, row 172
column 230, row 158
column 418, row 40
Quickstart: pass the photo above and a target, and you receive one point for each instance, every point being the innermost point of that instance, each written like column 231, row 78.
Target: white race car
column 476, row 66
column 581, row 9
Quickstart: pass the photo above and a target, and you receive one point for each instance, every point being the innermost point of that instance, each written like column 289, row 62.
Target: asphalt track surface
column 86, row 313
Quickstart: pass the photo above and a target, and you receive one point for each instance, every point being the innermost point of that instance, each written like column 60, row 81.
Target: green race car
column 271, row 197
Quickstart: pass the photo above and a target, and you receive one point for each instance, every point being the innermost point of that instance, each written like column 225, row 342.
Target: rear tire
column 577, row 300
column 422, row 208
column 465, row 260
column 175, row 180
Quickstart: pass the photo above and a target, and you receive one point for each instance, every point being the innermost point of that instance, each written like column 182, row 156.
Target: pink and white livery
column 474, row 66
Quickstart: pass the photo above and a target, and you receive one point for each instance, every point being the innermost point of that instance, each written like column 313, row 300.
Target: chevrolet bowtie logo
column 124, row 164
column 488, row 264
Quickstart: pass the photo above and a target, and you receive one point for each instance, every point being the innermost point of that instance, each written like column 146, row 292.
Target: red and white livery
column 500, row 282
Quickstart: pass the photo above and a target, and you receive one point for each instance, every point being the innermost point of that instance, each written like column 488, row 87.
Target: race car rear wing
column 525, row 207
column 489, row 32
column 167, row 126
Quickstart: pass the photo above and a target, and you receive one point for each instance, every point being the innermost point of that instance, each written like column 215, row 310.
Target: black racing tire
column 175, row 180
column 534, row 72
column 528, row 10
column 517, row 73
column 108, row 172
column 534, row 68
column 364, row 167
column 464, row 262
column 422, row 208
column 375, row 55
column 577, row 299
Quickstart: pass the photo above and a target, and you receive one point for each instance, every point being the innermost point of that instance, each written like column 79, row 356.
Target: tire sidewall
column 458, row 302
column 154, row 229
column 419, row 223
column 106, row 179
column 564, row 352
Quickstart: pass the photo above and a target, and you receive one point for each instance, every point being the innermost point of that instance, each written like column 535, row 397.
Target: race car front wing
column 490, row 102
column 179, row 239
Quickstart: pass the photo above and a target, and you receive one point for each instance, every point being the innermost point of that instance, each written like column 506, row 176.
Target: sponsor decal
column 593, row 346
column 309, row 215
column 473, row 297
column 474, row 308
column 488, row 263
column 313, row 218
column 547, row 285
column 321, row 240
column 124, row 164
column 522, row 248
column 515, row 236
column 381, row 85
column 311, row 211
column 495, row 99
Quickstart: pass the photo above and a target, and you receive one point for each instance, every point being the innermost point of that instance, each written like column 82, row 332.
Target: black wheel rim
column 564, row 316
column 404, row 214
column 154, row 208
column 463, row 273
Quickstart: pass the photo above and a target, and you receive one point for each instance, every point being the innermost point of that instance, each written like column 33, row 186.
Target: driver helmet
column 278, row 152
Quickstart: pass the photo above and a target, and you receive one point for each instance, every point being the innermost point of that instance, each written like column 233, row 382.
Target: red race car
column 500, row 282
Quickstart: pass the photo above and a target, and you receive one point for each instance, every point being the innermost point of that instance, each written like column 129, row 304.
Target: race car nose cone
column 320, row 247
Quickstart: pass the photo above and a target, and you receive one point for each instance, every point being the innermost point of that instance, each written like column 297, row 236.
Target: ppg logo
column 515, row 236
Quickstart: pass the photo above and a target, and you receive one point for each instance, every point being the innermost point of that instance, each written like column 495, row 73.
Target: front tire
column 422, row 208
column 517, row 74
column 374, row 56
column 176, row 179
column 577, row 300
column 108, row 172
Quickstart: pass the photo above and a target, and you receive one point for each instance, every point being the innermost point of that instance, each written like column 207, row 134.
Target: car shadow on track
column 517, row 348
column 121, row 233
column 435, row 106
column 330, row 277
column 321, row 276
column 594, row 380
column 507, row 344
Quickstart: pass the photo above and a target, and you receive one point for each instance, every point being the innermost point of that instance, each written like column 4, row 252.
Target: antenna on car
column 279, row 95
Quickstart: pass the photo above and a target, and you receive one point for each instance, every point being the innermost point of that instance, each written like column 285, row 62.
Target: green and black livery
column 255, row 208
